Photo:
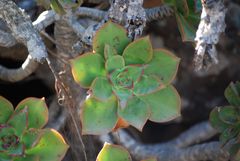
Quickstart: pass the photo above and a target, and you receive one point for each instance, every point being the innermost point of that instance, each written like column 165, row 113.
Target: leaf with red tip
column 121, row 123
column 86, row 68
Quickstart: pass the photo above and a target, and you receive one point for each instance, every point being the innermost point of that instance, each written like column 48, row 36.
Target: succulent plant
column 226, row 120
column 111, row 152
column 128, row 82
column 21, row 135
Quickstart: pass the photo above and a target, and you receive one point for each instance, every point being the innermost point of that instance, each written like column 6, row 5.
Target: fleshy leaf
column 57, row 7
column 115, row 62
column 195, row 6
column 101, row 88
column 123, row 95
column 9, row 142
column 18, row 150
column 146, row 85
column 30, row 137
column 109, row 51
column 98, row 117
column 234, row 151
column 187, row 31
column 19, row 120
column 232, row 94
column 182, row 7
column 229, row 115
column 228, row 134
column 172, row 3
column 112, row 34
column 135, row 113
column 6, row 132
column 50, row 146
column 5, row 157
column 126, row 77
column 37, row 111
column 164, row 65
column 86, row 68
column 134, row 72
column 121, row 123
column 164, row 104
column 138, row 52
column 6, row 109
column 216, row 122
column 112, row 152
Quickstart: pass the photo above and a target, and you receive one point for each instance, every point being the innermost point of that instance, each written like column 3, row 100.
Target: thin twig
column 178, row 149
column 93, row 13
column 76, row 26
column 48, row 37
column 14, row 75
column 165, row 152
column 45, row 19
column 66, row 98
column 196, row 134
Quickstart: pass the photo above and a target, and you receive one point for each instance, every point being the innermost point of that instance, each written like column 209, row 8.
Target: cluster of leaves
column 226, row 120
column 21, row 135
column 112, row 152
column 128, row 82
column 60, row 6
column 187, row 14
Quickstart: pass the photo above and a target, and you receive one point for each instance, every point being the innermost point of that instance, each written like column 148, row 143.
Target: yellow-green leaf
column 112, row 152
column 86, row 68
column 111, row 34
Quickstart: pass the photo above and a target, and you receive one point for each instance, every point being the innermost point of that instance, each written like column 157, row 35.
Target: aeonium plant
column 128, row 82
column 21, row 135
column 226, row 120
